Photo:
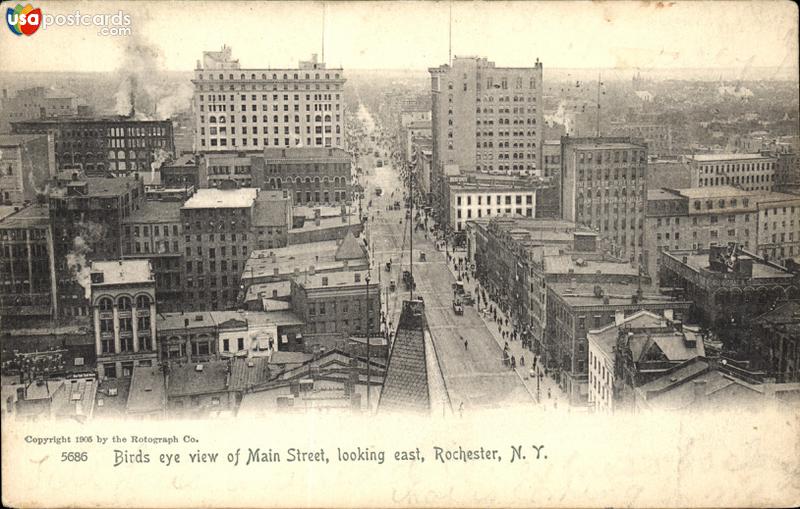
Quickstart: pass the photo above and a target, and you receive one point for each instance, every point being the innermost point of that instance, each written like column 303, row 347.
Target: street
column 474, row 374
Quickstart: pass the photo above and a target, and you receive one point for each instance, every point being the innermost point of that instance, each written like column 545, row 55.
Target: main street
column 474, row 375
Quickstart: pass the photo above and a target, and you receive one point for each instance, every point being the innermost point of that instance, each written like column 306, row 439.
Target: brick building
column 86, row 215
column 97, row 145
column 27, row 163
column 155, row 233
column 221, row 228
column 27, row 267
column 312, row 175
column 575, row 308
column 603, row 186
column 752, row 172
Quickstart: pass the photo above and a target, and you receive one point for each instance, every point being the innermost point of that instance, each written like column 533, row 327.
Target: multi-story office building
column 575, row 308
column 697, row 218
column 27, row 163
column 311, row 175
column 183, row 172
column 778, row 226
column 27, row 267
column 486, row 118
column 249, row 109
column 155, row 233
column 86, row 215
column 474, row 198
column 35, row 103
column 552, row 159
column 221, row 228
column 603, row 186
column 124, row 309
column 97, row 145
column 752, row 172
column 336, row 303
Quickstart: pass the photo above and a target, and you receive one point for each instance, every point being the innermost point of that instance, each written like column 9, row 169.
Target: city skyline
column 653, row 35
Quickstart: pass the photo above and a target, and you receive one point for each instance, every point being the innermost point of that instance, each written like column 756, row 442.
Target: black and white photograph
column 400, row 254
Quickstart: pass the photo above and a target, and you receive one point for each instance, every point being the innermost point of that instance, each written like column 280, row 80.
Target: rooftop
column 123, row 272
column 156, row 212
column 618, row 294
column 713, row 192
column 147, row 393
column 197, row 319
column 271, row 211
column 222, row 198
column 698, row 260
column 32, row 215
column 102, row 187
column 245, row 373
column 562, row 264
column 186, row 380
column 342, row 278
column 704, row 158
column 306, row 153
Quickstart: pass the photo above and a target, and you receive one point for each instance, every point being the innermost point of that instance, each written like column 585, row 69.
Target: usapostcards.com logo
column 27, row 20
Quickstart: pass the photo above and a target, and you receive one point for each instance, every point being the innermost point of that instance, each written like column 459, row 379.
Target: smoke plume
column 160, row 156
column 88, row 234
column 145, row 91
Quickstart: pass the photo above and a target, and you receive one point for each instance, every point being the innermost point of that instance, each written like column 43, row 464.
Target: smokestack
column 132, row 97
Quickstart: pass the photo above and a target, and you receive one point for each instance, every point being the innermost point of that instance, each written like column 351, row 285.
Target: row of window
column 124, row 303
column 287, row 142
column 275, row 118
column 266, row 76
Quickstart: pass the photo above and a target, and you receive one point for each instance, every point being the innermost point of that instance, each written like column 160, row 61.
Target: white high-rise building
column 248, row 109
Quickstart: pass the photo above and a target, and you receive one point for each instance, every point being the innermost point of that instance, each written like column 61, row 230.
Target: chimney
column 311, row 270
column 573, row 283
column 273, row 257
column 619, row 317
column 668, row 314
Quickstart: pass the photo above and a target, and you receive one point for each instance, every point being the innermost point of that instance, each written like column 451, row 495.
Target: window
column 240, row 343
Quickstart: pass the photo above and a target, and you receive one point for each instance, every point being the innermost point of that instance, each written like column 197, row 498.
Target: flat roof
column 605, row 145
column 761, row 270
column 222, row 198
column 185, row 380
column 704, row 158
column 617, row 293
column 340, row 278
column 122, row 272
column 156, row 212
column 99, row 187
column 271, row 154
column 561, row 264
column 32, row 215
column 714, row 192
column 147, row 392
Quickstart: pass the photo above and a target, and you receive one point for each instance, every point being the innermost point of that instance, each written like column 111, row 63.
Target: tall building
column 124, row 308
column 27, row 163
column 752, row 172
column 603, row 186
column 486, row 118
column 27, row 267
column 249, row 109
column 98, row 145
column 221, row 227
column 86, row 218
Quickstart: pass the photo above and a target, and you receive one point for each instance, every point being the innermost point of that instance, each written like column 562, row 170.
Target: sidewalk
column 549, row 395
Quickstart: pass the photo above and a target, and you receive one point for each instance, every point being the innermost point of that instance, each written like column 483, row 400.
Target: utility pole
column 598, row 104
column 411, row 230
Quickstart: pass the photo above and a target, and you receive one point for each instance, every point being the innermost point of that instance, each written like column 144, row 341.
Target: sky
column 414, row 35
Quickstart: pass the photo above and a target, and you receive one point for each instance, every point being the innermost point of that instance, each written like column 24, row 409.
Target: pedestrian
column 513, row 362
column 521, row 360
column 465, row 344
column 548, row 393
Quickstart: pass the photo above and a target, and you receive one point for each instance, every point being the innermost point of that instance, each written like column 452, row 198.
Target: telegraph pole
column 411, row 229
column 369, row 406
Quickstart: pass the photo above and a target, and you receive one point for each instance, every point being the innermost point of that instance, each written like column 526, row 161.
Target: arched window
column 266, row 118
column 124, row 303
column 244, row 118
column 143, row 302
column 212, row 119
column 105, row 304
column 285, row 76
column 263, row 76
column 327, row 118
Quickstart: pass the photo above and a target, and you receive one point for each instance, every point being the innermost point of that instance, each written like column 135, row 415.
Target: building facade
column 486, row 118
column 27, row 163
column 217, row 167
column 98, row 145
column 221, row 227
column 312, row 175
column 658, row 137
column 475, row 198
column 34, row 103
column 604, row 186
column 27, row 267
column 124, row 308
column 779, row 226
column 86, row 215
column 575, row 308
column 244, row 109
column 155, row 233
column 752, row 172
